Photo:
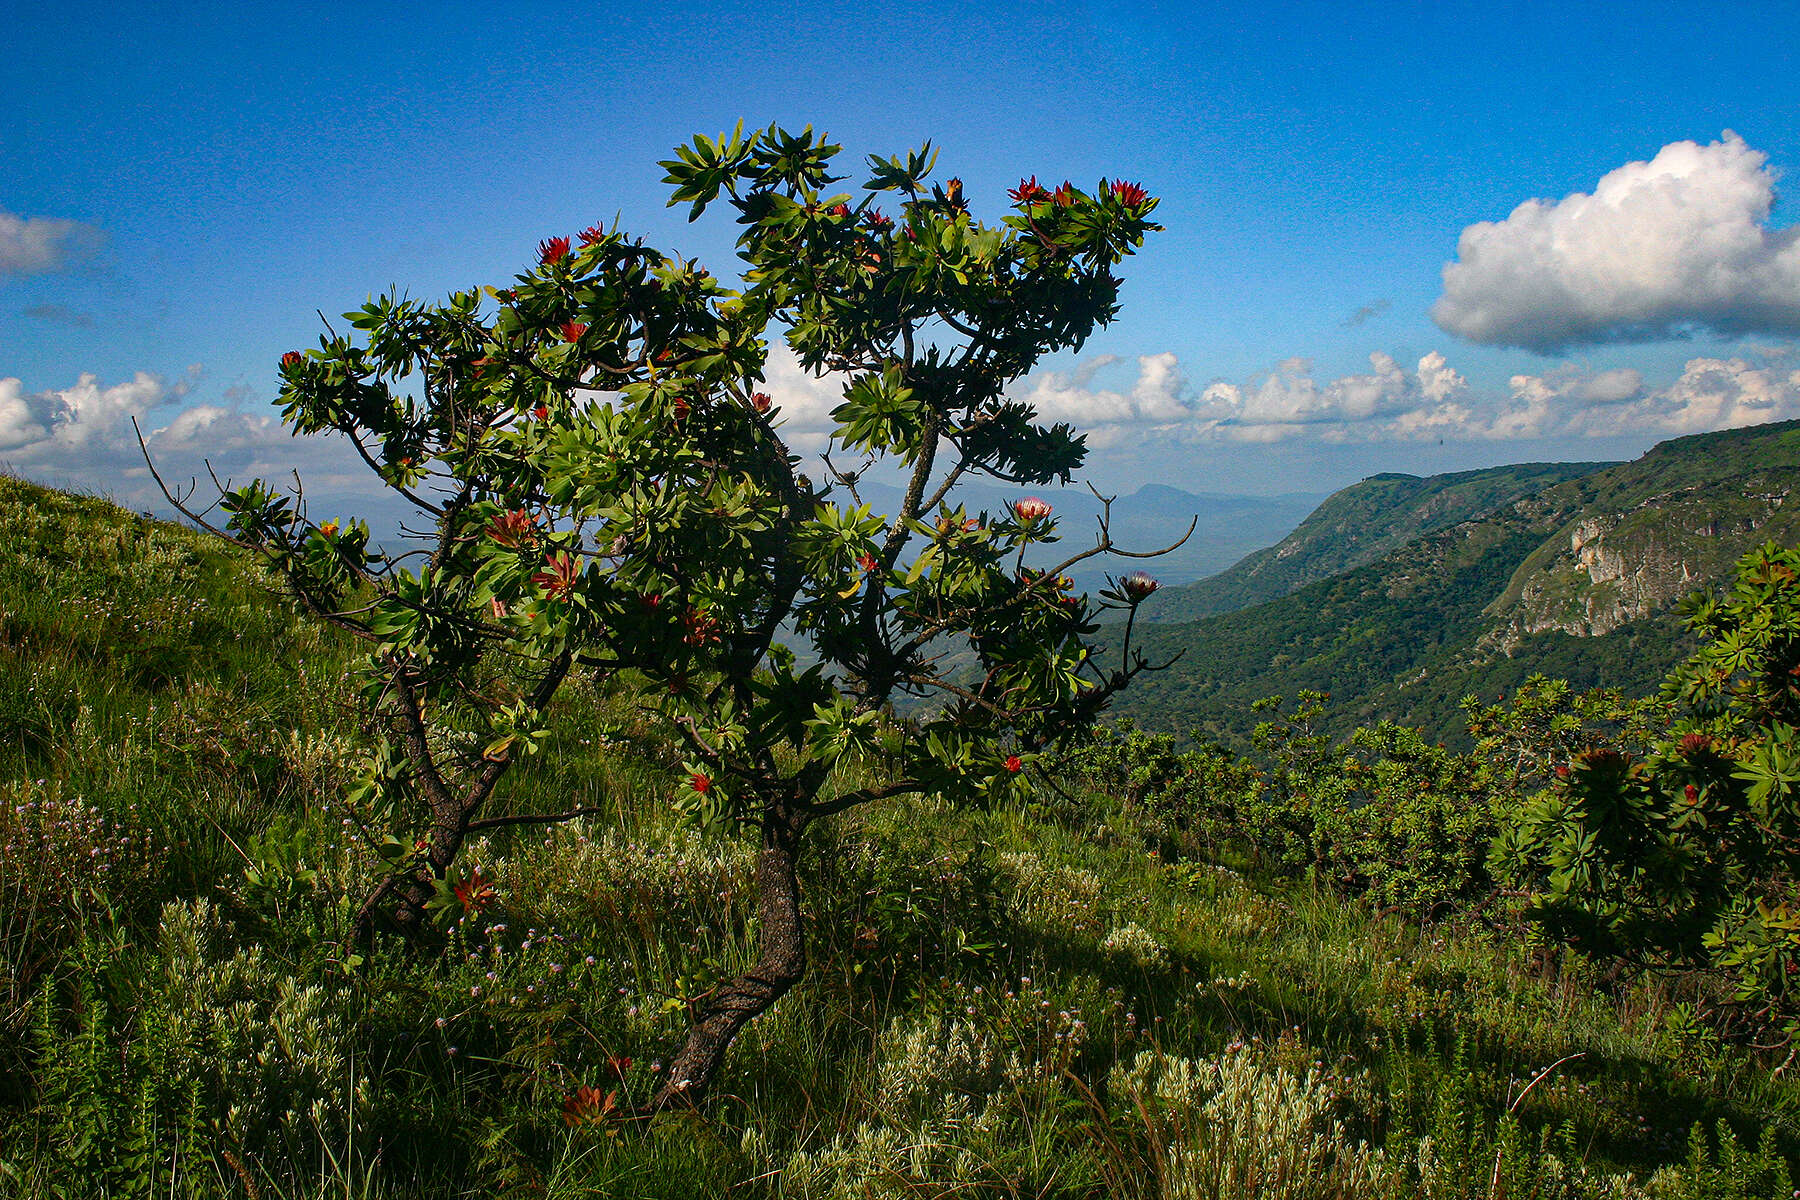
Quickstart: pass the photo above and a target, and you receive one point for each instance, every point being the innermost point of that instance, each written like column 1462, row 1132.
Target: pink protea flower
column 1031, row 509
column 553, row 250
column 1138, row 586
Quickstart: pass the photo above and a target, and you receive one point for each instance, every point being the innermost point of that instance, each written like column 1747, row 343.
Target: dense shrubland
column 1168, row 972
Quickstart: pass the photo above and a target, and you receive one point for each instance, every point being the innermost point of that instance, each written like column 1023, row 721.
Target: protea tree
column 609, row 489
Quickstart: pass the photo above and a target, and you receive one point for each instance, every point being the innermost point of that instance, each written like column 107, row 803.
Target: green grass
column 1025, row 1002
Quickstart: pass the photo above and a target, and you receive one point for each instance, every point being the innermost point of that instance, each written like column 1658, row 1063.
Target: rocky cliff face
column 1605, row 570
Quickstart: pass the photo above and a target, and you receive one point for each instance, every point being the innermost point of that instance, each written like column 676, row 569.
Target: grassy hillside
column 1578, row 579
column 1359, row 525
column 1048, row 1001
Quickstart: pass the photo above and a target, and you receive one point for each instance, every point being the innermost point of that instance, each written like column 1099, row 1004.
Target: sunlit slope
column 1578, row 580
column 1357, row 526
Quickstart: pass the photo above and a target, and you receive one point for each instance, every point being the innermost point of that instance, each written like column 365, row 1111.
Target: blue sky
column 183, row 185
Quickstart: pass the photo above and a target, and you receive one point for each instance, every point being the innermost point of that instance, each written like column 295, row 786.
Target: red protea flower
column 1695, row 743
column 1029, row 191
column 839, row 210
column 541, row 412
column 1138, row 586
column 877, row 221
column 474, row 893
column 592, row 234
column 1064, row 195
column 700, row 626
column 560, row 574
column 572, row 330
column 328, row 529
column 701, row 782
column 1601, row 758
column 1031, row 509
column 586, row 1106
column 1014, row 763
column 1129, row 194
column 1691, row 794
column 290, row 360
column 553, row 250
column 866, row 561
column 682, row 408
column 761, row 402
column 516, row 528
column 1562, row 771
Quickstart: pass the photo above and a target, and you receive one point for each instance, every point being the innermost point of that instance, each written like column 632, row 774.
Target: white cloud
column 803, row 399
column 68, row 421
column 40, row 245
column 1154, row 399
column 1431, row 401
column 1288, row 401
column 1710, row 393
column 82, row 436
column 1661, row 248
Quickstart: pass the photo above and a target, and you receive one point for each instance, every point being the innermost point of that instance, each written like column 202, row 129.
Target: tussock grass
column 1050, row 1000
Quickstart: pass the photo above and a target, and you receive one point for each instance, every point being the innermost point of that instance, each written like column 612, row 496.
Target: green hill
column 1017, row 1000
column 1577, row 580
column 1358, row 525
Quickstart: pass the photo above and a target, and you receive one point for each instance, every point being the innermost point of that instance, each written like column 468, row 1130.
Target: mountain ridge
column 1578, row 579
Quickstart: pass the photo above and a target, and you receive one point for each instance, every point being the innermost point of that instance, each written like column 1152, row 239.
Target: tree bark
column 413, row 890
column 780, row 963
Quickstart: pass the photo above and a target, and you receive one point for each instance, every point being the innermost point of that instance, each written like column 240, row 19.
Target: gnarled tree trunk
column 780, row 963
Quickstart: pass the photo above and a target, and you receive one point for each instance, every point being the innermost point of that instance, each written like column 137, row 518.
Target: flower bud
column 1138, row 586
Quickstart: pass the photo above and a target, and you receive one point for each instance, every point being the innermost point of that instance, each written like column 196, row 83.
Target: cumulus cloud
column 1289, row 401
column 40, row 245
column 1710, row 393
column 1679, row 244
column 82, row 435
column 1428, row 401
column 1156, row 398
column 804, row 400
